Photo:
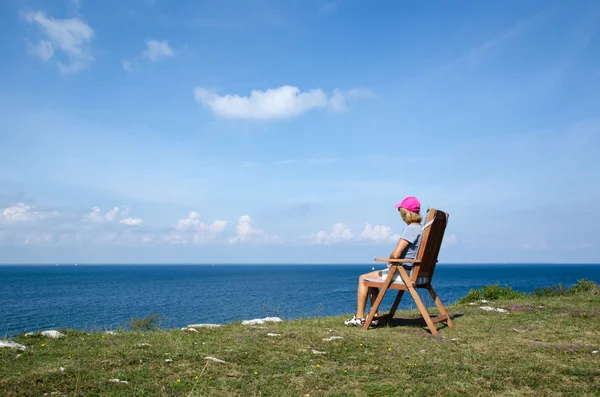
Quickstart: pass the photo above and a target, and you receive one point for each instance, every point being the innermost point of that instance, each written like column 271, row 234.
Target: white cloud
column 339, row 99
column 247, row 232
column 22, row 212
column 156, row 50
column 273, row 104
column 131, row 221
column 17, row 212
column 217, row 226
column 127, row 66
column 192, row 220
column 70, row 36
column 339, row 232
column 97, row 216
column 191, row 229
column 378, row 233
column 43, row 49
column 450, row 239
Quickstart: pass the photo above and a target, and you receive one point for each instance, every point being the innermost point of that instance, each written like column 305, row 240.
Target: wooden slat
column 439, row 305
column 439, row 318
column 420, row 275
column 397, row 260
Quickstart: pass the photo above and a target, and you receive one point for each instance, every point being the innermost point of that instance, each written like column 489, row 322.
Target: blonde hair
column 409, row 216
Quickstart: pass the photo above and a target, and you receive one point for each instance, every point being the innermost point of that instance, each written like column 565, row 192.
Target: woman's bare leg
column 363, row 291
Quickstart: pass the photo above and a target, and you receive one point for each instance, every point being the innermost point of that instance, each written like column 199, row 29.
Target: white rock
column 52, row 334
column 595, row 352
column 169, row 360
column 261, row 320
column 215, row 360
column 332, row 338
column 61, row 369
column 272, row 334
column 484, row 301
column 491, row 309
column 422, row 351
column 189, row 329
column 118, row 381
column 318, row 352
column 30, row 334
column 472, row 303
column 203, row 325
column 12, row 345
column 18, row 356
column 110, row 333
column 143, row 344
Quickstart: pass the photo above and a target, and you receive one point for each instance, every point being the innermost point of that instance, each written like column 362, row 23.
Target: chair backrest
column 431, row 242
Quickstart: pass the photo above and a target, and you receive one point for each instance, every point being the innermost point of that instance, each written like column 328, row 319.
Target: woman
column 407, row 248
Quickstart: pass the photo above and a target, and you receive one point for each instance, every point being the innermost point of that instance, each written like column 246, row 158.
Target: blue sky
column 285, row 131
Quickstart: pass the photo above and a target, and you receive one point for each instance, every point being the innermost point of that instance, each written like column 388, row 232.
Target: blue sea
column 39, row 297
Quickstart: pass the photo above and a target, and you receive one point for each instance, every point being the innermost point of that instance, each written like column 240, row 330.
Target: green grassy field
column 548, row 346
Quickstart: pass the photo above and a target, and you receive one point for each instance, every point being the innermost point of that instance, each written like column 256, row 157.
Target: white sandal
column 355, row 321
column 359, row 322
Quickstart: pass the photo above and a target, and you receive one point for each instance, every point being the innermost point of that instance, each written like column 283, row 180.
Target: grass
column 544, row 346
column 496, row 291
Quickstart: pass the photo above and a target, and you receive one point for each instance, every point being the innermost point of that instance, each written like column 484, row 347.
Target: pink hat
column 410, row 203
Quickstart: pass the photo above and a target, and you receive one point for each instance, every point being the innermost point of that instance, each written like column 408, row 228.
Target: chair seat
column 398, row 280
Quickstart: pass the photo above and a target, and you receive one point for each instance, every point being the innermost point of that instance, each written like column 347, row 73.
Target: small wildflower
column 196, row 376
column 255, row 373
column 178, row 380
column 389, row 369
column 345, row 371
column 43, row 344
column 210, row 377
column 389, row 349
column 318, row 365
column 361, row 345
column 89, row 334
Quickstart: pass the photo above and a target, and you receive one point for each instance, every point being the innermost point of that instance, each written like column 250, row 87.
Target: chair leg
column 423, row 310
column 375, row 305
column 440, row 307
column 394, row 306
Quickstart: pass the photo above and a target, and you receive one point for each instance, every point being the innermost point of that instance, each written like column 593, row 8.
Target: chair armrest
column 397, row 260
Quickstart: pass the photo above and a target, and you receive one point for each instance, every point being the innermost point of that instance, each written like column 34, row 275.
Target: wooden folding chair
column 422, row 274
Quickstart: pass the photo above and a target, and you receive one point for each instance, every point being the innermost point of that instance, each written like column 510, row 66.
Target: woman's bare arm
column 400, row 247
